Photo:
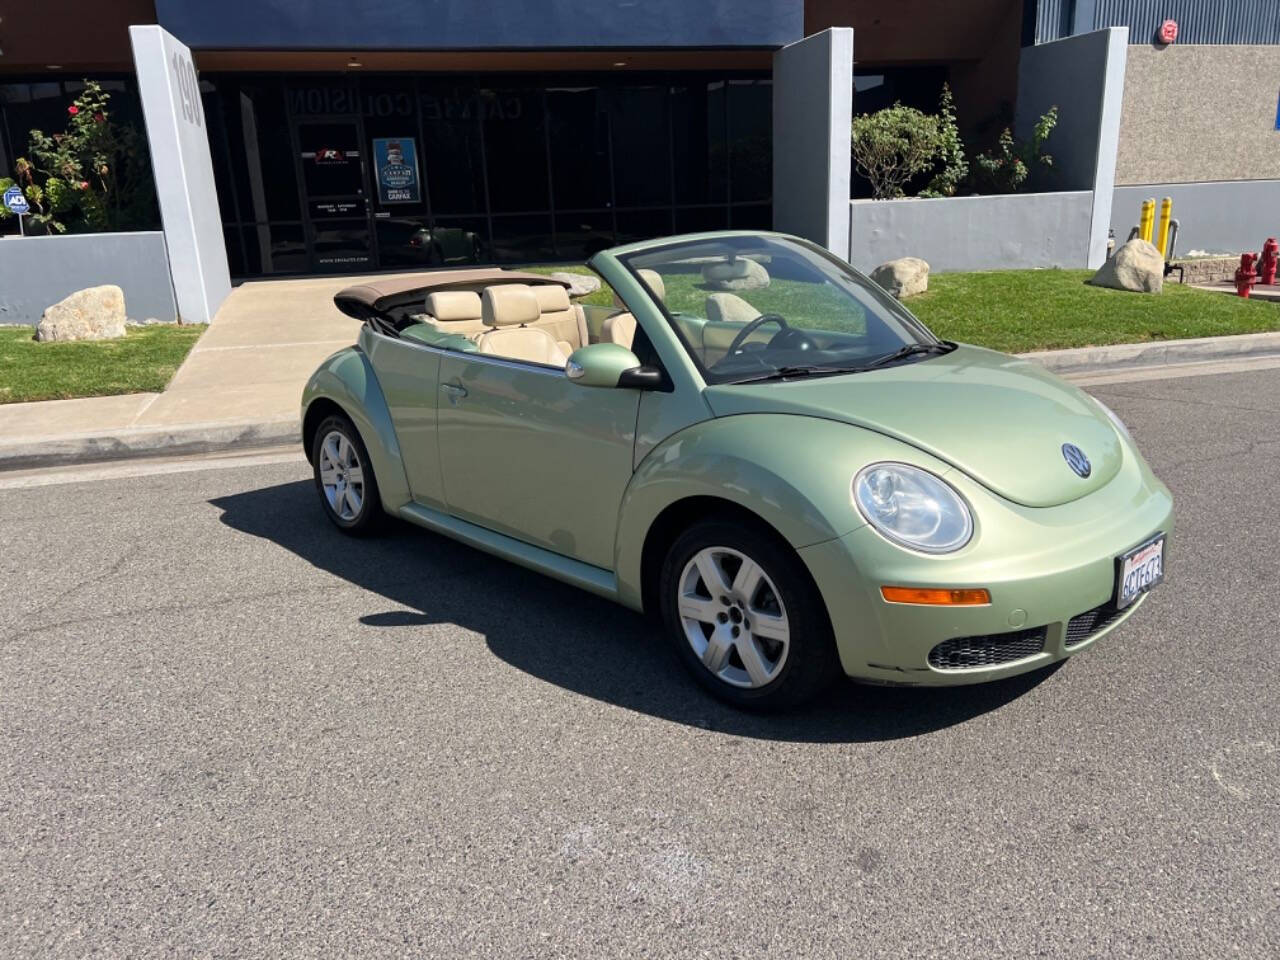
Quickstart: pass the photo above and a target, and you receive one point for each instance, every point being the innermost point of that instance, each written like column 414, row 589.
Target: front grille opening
column 992, row 650
column 1084, row 625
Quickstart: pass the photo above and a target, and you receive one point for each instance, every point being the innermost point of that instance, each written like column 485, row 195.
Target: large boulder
column 903, row 277
column 95, row 313
column 1137, row 266
column 737, row 274
column 580, row 284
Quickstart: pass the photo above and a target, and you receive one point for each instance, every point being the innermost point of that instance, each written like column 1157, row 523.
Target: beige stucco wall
column 1199, row 112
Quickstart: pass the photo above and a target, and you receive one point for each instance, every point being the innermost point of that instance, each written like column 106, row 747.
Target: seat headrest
column 552, row 298
column 654, row 281
column 454, row 305
column 508, row 305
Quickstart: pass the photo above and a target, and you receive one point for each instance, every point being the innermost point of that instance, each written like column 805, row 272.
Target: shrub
column 1006, row 169
column 893, row 145
column 95, row 176
column 955, row 168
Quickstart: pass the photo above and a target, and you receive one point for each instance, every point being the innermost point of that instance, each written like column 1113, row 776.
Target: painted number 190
column 188, row 88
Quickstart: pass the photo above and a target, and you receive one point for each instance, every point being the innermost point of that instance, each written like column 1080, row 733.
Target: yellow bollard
column 1162, row 237
column 1146, row 219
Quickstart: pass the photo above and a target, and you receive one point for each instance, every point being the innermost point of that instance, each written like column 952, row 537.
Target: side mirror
column 610, row 365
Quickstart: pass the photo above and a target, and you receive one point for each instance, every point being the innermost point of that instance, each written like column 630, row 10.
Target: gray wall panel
column 1226, row 217
column 37, row 272
column 974, row 233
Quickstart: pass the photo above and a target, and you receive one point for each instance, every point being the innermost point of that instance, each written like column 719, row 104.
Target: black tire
column 369, row 518
column 811, row 662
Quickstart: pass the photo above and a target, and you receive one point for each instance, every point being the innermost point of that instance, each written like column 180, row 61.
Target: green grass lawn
column 1016, row 310
column 1019, row 310
column 142, row 361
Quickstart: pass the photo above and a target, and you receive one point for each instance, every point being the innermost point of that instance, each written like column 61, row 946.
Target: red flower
column 84, row 184
column 73, row 109
column 98, row 118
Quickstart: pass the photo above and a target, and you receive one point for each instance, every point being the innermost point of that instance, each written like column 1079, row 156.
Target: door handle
column 455, row 391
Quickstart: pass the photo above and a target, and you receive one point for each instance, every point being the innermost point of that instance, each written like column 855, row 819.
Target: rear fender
column 347, row 379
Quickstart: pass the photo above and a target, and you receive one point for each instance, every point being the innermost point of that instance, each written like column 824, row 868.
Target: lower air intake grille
column 1084, row 625
column 963, row 653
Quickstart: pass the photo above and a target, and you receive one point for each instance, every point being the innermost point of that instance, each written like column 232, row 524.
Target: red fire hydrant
column 1267, row 263
column 1246, row 275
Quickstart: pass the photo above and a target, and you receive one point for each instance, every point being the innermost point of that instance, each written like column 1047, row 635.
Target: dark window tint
column 274, row 248
column 579, row 144
column 460, row 240
column 515, row 149
column 698, row 143
column 261, row 151
column 581, row 233
column 750, row 140
column 451, row 149
column 641, row 146
column 523, row 239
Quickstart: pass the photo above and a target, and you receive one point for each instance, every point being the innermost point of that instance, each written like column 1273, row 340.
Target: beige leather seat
column 509, row 312
column 455, row 311
column 729, row 308
column 560, row 317
column 621, row 327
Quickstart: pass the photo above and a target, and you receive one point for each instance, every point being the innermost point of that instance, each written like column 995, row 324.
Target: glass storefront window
column 510, row 168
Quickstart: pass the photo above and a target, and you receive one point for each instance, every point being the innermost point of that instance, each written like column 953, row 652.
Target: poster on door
column 396, row 161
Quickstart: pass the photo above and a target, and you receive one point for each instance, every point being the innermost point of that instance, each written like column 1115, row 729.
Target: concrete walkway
column 242, row 382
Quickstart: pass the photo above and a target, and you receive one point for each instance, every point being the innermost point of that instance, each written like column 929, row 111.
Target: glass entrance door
column 335, row 185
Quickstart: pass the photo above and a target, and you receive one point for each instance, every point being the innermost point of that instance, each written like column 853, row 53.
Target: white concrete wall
column 37, row 272
column 179, row 142
column 974, row 233
column 812, row 117
column 1084, row 77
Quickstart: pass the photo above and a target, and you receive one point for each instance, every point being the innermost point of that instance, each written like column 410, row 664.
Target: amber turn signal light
column 975, row 597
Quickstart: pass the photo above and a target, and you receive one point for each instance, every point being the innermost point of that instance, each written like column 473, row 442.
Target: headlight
column 1124, row 431
column 912, row 507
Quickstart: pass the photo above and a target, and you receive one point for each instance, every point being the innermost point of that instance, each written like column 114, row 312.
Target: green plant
column 955, row 168
column 94, row 176
column 1006, row 169
column 893, row 145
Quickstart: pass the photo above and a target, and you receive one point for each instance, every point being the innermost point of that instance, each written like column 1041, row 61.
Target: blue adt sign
column 395, row 162
column 15, row 201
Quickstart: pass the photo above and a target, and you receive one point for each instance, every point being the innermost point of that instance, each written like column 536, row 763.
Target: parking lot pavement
column 228, row 731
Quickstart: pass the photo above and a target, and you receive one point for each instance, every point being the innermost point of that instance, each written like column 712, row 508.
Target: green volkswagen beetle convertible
column 756, row 445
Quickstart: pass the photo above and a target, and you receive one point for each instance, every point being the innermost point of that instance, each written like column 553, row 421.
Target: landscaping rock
column 96, row 313
column 1137, row 266
column 903, row 277
column 738, row 274
column 580, row 284
column 729, row 308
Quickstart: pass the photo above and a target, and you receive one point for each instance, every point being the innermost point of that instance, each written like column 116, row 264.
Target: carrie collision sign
column 396, row 161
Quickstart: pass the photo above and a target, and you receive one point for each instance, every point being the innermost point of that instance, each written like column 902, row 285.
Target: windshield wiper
column 911, row 350
column 786, row 373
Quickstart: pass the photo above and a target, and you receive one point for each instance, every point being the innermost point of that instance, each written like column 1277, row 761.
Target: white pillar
column 812, row 115
column 179, row 143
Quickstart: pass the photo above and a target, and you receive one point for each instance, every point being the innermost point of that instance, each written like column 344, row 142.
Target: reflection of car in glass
column 757, row 445
column 445, row 245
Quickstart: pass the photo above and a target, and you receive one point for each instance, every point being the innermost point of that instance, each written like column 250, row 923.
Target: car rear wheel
column 344, row 477
column 745, row 617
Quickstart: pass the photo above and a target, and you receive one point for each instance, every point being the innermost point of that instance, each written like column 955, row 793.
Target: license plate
column 1140, row 569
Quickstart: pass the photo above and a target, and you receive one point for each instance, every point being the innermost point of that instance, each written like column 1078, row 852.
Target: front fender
column 794, row 472
column 347, row 379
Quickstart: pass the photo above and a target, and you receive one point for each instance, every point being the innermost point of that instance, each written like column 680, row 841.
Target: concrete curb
column 1156, row 353
column 25, row 453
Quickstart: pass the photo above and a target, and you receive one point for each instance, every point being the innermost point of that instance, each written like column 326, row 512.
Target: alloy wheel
column 341, row 475
column 733, row 617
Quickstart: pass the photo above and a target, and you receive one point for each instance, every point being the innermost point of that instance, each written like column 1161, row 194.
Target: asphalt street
column 228, row 731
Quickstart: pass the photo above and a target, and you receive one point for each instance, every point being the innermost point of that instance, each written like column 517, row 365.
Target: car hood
column 1001, row 420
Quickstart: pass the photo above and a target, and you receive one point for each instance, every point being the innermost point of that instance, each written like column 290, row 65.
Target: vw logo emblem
column 1076, row 459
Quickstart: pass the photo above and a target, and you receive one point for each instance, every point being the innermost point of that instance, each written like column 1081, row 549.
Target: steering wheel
column 751, row 326
column 786, row 337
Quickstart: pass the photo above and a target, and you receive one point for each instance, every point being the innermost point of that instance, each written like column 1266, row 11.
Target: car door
column 408, row 372
column 528, row 453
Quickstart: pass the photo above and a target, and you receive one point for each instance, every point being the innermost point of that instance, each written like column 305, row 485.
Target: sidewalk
column 240, row 386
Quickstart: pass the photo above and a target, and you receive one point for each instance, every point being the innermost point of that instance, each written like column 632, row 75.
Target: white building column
column 812, row 117
column 179, row 142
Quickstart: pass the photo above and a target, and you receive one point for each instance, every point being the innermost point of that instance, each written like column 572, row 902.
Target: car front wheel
column 745, row 616
column 344, row 477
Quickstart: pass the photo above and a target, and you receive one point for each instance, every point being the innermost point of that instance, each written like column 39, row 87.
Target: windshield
column 753, row 308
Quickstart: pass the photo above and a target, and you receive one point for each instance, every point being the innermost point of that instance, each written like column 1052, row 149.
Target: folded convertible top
column 379, row 294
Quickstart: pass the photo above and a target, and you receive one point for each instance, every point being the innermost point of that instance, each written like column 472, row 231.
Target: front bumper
column 1043, row 566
